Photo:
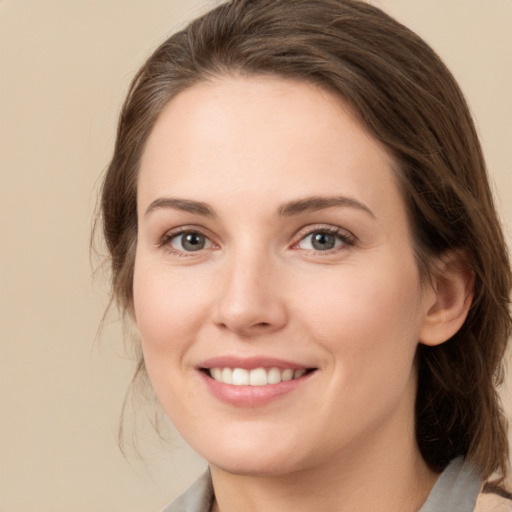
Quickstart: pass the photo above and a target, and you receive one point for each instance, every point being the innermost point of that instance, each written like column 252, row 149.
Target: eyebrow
column 185, row 205
column 297, row 207
column 315, row 203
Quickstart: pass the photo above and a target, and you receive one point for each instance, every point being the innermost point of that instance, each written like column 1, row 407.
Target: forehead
column 263, row 137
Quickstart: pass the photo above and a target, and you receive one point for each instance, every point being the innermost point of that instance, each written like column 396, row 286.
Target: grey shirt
column 456, row 490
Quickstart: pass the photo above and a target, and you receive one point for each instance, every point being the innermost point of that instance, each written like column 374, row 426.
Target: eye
column 324, row 240
column 189, row 241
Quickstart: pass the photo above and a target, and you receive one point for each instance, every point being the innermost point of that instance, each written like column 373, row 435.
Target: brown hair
column 408, row 100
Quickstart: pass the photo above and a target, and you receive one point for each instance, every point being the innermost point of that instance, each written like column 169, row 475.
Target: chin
column 264, row 466
column 262, row 459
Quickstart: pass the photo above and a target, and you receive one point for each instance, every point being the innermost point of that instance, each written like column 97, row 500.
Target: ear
column 448, row 298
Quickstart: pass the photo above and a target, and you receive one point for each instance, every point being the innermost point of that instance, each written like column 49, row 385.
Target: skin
column 344, row 438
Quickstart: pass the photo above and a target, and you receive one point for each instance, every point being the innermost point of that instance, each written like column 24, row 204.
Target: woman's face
column 276, row 291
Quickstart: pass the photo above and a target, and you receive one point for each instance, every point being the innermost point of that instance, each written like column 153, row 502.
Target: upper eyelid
column 313, row 228
column 187, row 228
column 190, row 228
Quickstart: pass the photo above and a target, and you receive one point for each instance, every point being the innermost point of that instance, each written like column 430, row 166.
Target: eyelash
column 346, row 239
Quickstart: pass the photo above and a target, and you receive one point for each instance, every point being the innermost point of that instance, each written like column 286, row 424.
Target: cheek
column 367, row 314
column 165, row 302
column 368, row 324
column 169, row 309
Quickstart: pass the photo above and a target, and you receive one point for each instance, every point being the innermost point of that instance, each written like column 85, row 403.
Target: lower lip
column 252, row 396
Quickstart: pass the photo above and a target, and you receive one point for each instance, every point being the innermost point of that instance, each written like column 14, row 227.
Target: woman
column 301, row 228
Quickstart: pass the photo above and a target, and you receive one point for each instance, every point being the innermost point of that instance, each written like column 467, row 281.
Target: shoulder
column 197, row 498
column 490, row 502
column 456, row 489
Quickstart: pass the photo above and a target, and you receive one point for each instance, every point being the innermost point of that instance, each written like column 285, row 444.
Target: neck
column 386, row 474
column 372, row 489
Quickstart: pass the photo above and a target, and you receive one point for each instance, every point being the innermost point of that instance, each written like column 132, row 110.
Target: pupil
column 193, row 242
column 323, row 241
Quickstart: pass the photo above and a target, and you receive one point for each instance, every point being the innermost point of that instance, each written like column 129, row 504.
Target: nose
column 250, row 298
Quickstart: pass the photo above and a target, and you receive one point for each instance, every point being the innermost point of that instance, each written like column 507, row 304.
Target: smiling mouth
column 256, row 376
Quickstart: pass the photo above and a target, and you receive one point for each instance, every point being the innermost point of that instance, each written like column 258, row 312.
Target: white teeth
column 256, row 377
column 298, row 373
column 240, row 377
column 287, row 374
column 227, row 375
column 217, row 373
column 274, row 376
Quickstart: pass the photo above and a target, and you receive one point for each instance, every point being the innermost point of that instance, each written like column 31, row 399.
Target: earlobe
column 448, row 300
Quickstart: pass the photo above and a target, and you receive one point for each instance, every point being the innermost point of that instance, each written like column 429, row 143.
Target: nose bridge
column 250, row 299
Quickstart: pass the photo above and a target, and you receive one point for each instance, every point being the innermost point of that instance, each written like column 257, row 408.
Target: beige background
column 64, row 68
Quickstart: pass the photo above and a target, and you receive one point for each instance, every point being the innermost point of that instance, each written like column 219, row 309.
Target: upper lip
column 250, row 363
